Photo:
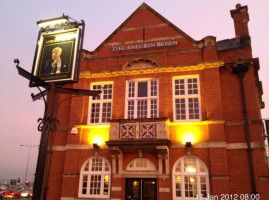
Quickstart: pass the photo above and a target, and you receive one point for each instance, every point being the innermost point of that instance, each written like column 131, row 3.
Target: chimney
column 241, row 18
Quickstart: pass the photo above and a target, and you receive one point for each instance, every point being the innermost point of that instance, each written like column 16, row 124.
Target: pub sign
column 57, row 56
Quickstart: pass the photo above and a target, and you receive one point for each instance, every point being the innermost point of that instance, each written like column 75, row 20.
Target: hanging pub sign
column 57, row 56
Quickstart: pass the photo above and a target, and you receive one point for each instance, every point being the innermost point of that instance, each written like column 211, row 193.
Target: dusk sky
column 19, row 114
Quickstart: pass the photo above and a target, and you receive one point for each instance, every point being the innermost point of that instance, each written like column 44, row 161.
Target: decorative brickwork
column 127, row 130
column 147, row 130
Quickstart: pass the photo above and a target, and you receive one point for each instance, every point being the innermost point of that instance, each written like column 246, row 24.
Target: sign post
column 56, row 62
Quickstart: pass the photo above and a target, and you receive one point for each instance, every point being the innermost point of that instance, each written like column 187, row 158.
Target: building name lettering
column 61, row 38
column 144, row 46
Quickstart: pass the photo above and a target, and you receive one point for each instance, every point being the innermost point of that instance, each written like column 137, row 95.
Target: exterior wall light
column 74, row 130
column 54, row 21
column 188, row 147
column 188, row 144
column 95, row 146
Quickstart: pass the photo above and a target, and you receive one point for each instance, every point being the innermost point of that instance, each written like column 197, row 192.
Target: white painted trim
column 89, row 173
column 186, row 96
column 164, row 189
column 135, row 98
column 205, row 145
column 101, row 101
column 135, row 168
column 244, row 145
column 202, row 145
column 182, row 174
column 116, row 189
column 58, row 148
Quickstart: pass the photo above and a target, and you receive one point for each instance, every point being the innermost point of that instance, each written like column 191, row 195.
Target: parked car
column 26, row 194
column 12, row 195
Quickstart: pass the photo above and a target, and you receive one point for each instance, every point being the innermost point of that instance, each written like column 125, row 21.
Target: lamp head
column 54, row 21
column 188, row 144
column 95, row 146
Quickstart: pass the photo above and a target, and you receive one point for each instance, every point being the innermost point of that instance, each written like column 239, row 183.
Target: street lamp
column 29, row 146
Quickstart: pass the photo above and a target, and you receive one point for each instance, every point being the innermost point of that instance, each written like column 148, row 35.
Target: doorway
column 141, row 189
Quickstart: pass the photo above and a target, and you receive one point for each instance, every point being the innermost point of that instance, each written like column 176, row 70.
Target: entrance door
column 141, row 189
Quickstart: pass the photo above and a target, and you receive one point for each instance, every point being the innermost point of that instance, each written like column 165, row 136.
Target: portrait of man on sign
column 56, row 57
column 56, row 64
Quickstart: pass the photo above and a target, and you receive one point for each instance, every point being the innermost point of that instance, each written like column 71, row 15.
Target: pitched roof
column 144, row 6
column 228, row 44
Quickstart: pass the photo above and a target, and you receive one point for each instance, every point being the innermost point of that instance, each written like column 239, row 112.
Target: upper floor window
column 100, row 109
column 95, row 178
column 142, row 99
column 186, row 98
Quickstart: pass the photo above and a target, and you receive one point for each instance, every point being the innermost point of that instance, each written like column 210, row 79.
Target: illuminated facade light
column 188, row 144
column 54, row 21
column 96, row 146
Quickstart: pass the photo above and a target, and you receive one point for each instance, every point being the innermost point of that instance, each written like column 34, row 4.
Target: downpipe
column 240, row 70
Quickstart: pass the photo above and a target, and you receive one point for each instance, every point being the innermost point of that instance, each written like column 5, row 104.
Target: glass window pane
column 190, row 165
column 99, row 178
column 153, row 88
column 153, row 108
column 187, row 88
column 142, row 89
column 86, row 168
column 202, row 168
column 142, row 100
column 191, row 179
column 106, row 114
column 95, row 113
column 131, row 89
column 142, row 108
column 97, row 87
column 193, row 108
column 179, row 87
column 178, row 168
column 100, row 110
column 180, row 111
column 107, row 91
column 192, row 86
column 131, row 109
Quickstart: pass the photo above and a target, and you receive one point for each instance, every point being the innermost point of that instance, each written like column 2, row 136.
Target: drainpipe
column 240, row 70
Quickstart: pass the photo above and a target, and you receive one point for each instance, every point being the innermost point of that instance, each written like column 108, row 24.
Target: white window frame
column 101, row 101
column 198, row 174
column 90, row 173
column 186, row 96
column 136, row 98
column 148, row 165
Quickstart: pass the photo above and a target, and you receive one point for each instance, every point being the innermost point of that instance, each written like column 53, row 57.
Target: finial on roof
column 238, row 6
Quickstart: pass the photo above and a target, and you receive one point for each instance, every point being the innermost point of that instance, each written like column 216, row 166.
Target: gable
column 147, row 40
column 145, row 30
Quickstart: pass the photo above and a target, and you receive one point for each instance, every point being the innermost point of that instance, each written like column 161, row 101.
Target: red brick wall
column 221, row 108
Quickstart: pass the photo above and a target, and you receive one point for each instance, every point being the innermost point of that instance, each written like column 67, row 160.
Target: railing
column 122, row 129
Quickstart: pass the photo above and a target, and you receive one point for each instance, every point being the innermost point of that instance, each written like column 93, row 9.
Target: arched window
column 190, row 179
column 95, row 178
column 141, row 164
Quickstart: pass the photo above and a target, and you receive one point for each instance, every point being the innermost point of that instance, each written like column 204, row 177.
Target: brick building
column 176, row 117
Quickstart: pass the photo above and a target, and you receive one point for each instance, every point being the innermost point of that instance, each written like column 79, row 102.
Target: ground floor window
column 95, row 178
column 190, row 179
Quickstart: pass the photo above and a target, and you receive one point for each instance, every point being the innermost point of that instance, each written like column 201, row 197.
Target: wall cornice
column 165, row 69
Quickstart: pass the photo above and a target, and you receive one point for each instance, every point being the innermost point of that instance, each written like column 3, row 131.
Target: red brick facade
column 146, row 47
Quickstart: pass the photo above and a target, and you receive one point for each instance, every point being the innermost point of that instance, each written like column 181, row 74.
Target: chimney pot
column 238, row 6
